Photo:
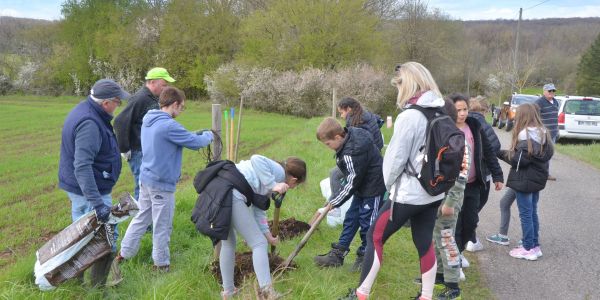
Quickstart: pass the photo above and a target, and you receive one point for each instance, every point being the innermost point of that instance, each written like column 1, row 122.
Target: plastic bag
column 77, row 247
column 336, row 215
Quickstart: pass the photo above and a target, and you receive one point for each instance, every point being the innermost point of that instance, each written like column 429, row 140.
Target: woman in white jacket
column 408, row 199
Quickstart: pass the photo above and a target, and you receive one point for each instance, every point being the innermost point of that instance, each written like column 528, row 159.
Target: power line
column 537, row 5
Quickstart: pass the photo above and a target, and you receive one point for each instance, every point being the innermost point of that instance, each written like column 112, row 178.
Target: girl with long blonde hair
column 408, row 199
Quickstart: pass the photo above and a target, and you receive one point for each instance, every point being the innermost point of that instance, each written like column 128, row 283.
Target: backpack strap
column 430, row 113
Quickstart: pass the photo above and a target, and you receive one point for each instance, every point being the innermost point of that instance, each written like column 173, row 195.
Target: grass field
column 33, row 209
column 586, row 151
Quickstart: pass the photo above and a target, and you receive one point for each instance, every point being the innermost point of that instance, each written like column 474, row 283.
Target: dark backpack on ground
column 443, row 152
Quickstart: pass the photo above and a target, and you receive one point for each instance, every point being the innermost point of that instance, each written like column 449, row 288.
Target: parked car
column 579, row 117
column 506, row 115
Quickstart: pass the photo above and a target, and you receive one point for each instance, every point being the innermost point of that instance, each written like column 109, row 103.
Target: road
column 569, row 214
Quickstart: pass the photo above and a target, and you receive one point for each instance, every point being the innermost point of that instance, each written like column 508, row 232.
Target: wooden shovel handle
column 304, row 240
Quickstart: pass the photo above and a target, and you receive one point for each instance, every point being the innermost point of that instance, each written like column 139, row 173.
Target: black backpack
column 443, row 152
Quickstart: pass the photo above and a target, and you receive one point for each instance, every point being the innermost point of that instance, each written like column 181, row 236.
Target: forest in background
column 309, row 44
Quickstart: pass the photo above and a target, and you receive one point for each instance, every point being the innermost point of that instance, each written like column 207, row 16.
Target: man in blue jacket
column 90, row 163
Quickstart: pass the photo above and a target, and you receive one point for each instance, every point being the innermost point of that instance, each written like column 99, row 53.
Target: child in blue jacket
column 163, row 140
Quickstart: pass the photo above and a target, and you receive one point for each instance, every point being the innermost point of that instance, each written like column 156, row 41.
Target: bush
column 306, row 93
column 5, row 85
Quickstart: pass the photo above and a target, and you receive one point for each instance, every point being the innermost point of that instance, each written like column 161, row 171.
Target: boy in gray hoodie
column 163, row 140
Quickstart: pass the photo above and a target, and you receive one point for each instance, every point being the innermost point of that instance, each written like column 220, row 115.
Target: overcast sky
column 457, row 9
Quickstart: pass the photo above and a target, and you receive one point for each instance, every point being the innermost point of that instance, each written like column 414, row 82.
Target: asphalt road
column 569, row 214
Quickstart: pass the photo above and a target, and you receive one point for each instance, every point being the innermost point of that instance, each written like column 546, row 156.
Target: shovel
column 304, row 240
column 278, row 199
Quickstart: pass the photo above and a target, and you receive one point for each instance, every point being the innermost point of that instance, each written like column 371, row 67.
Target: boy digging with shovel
column 361, row 164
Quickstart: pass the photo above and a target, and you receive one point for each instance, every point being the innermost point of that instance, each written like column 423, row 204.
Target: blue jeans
column 361, row 214
column 135, row 162
column 527, row 203
column 81, row 206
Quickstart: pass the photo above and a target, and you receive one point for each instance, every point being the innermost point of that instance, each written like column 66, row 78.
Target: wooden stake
column 216, row 127
column 333, row 106
column 231, row 135
column 239, row 128
column 226, row 114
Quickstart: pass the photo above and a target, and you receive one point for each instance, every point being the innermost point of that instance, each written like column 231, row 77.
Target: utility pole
column 515, row 66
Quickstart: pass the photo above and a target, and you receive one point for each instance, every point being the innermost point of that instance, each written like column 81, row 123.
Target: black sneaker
column 334, row 258
column 449, row 294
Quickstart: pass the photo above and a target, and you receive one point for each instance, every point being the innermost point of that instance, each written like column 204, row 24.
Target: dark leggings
column 422, row 220
column 468, row 216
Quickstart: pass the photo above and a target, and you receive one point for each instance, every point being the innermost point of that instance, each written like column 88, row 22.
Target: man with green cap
column 128, row 124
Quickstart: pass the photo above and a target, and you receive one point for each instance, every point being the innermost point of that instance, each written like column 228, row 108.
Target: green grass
column 531, row 91
column 34, row 209
column 586, row 151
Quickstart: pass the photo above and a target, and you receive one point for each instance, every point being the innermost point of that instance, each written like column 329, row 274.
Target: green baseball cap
column 159, row 73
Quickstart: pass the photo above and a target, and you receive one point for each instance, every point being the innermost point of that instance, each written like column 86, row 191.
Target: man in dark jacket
column 90, row 163
column 128, row 124
column 361, row 163
column 548, row 107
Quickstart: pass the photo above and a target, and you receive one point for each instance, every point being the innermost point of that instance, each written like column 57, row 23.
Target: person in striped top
column 548, row 108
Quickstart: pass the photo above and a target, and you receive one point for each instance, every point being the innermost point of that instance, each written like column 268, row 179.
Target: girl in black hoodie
column 530, row 152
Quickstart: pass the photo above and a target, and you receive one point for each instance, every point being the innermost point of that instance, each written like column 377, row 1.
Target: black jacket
column 215, row 184
column 128, row 124
column 491, row 136
column 484, row 155
column 528, row 172
column 371, row 123
column 361, row 163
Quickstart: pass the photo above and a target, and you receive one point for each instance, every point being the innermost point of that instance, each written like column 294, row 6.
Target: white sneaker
column 464, row 263
column 474, row 247
column 462, row 276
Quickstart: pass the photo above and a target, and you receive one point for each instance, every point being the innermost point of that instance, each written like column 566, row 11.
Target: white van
column 579, row 117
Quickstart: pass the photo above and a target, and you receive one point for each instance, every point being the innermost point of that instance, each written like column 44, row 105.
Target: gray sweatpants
column 156, row 208
column 244, row 223
column 505, row 203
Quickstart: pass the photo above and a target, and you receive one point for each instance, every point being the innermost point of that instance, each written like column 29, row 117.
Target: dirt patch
column 6, row 254
column 290, row 228
column 243, row 267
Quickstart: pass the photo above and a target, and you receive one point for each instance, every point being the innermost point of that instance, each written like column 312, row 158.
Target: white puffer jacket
column 408, row 137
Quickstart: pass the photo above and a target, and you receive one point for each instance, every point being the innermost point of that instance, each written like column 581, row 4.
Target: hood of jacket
column 430, row 99
column 540, row 153
column 155, row 115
